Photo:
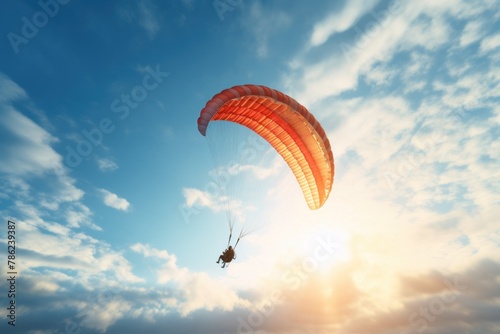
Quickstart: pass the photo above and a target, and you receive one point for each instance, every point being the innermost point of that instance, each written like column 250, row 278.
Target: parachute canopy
column 287, row 126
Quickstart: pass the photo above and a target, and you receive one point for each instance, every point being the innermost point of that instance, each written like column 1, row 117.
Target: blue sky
column 108, row 179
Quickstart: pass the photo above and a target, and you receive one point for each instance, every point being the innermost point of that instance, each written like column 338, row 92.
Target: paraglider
column 287, row 126
column 227, row 256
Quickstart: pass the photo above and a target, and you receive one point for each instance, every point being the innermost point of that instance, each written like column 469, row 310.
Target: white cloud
column 168, row 270
column 428, row 32
column 196, row 197
column 339, row 71
column 104, row 314
column 340, row 21
column 30, row 151
column 148, row 251
column 112, row 200
column 51, row 245
column 27, row 157
column 217, row 200
column 200, row 291
column 80, row 215
column 10, row 90
column 27, row 154
column 380, row 74
column 490, row 43
column 258, row 172
column 15, row 185
column 409, row 25
column 118, row 265
column 196, row 290
column 67, row 192
column 473, row 31
column 45, row 287
column 106, row 165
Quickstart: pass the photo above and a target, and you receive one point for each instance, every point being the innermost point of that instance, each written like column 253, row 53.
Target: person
column 227, row 256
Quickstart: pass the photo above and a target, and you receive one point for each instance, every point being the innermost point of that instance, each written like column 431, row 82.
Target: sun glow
column 324, row 247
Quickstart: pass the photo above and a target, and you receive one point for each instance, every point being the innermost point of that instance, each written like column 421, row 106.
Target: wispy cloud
column 472, row 32
column 148, row 18
column 80, row 215
column 199, row 198
column 144, row 13
column 263, row 25
column 490, row 43
column 10, row 90
column 341, row 20
column 225, row 194
column 113, row 201
column 30, row 150
column 106, row 165
column 27, row 153
column 148, row 251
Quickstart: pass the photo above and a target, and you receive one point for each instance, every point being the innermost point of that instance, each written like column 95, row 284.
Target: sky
column 118, row 220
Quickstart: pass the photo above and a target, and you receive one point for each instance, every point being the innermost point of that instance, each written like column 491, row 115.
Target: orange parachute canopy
column 285, row 124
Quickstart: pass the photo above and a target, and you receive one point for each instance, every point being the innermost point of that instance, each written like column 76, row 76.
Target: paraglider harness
column 229, row 254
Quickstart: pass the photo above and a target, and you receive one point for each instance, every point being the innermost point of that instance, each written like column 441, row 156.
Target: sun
column 323, row 248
